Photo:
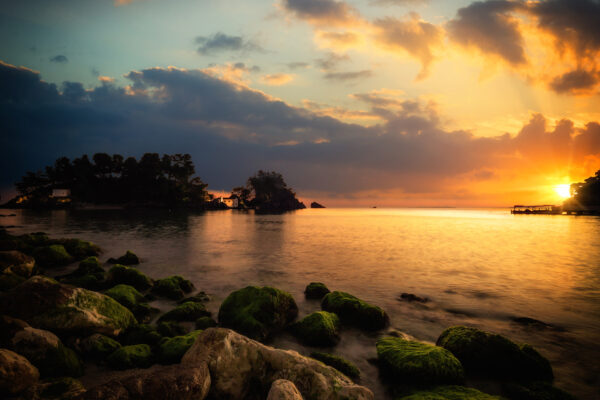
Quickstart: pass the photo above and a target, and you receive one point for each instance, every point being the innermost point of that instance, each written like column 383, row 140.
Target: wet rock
column 170, row 329
column 129, row 297
column 536, row 324
column 355, row 311
column 47, row 352
column 205, row 322
column 200, row 297
column 16, row 373
column 411, row 362
column 158, row 383
column 320, row 328
column 8, row 328
column 89, row 274
column 52, row 256
column 258, row 312
column 173, row 287
column 172, row 349
column 79, row 249
column 450, row 393
column 535, row 391
column 120, row 274
column 282, row 389
column 413, row 297
column 17, row 263
column 98, row 346
column 134, row 356
column 242, row 368
column 189, row 311
column 129, row 258
column 314, row 204
column 140, row 334
column 64, row 388
column 316, row 290
column 63, row 309
column 9, row 280
column 493, row 355
column 337, row 362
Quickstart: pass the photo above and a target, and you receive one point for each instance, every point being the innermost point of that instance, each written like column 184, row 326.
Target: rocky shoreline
column 98, row 317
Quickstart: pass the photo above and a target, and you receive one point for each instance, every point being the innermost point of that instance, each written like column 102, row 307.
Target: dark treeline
column 587, row 193
column 267, row 191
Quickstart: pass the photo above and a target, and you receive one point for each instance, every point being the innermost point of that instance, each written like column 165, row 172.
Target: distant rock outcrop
column 314, row 204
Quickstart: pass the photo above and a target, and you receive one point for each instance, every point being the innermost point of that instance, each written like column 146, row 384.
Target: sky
column 357, row 103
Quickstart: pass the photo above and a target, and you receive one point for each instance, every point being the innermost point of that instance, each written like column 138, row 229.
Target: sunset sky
column 356, row 103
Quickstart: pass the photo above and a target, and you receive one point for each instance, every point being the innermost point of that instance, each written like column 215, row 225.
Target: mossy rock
column 89, row 274
column 17, row 263
column 52, row 256
column 35, row 239
column 99, row 346
column 172, row 349
column 62, row 388
column 205, row 323
column 61, row 361
column 316, row 290
column 320, row 328
column 140, row 334
column 189, row 311
column 174, row 287
column 200, row 297
column 416, row 363
column 120, row 274
column 257, row 312
column 126, row 295
column 8, row 280
column 79, row 249
column 492, row 355
column 129, row 258
column 170, row 329
column 450, row 393
column 535, row 391
column 339, row 363
column 127, row 357
column 355, row 311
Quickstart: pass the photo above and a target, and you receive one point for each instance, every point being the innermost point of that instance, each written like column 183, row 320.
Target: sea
column 483, row 268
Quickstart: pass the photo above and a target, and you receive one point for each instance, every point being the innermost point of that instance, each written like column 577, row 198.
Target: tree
column 269, row 192
column 587, row 193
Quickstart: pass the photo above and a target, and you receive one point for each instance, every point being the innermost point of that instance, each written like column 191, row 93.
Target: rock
column 79, row 249
column 489, row 354
column 140, row 334
column 89, row 274
column 17, row 263
column 8, row 328
column 354, row 311
column 129, row 297
column 134, row 356
column 242, row 368
column 413, row 362
column 16, row 373
column 200, row 297
column 314, row 204
column 450, row 393
column 52, row 256
column 282, row 389
column 64, row 388
column 120, row 274
column 170, row 329
column 536, row 324
column 337, row 362
column 128, row 259
column 535, row 391
column 173, row 287
column 46, row 351
column 63, row 309
column 316, row 290
column 157, row 383
column 205, row 322
column 99, row 347
column 258, row 312
column 413, row 297
column 320, row 328
column 189, row 311
column 172, row 349
column 8, row 280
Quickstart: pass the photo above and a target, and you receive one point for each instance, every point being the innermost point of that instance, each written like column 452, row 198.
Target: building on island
column 231, row 201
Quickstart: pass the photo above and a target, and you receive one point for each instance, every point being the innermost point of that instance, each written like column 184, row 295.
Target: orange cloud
column 277, row 79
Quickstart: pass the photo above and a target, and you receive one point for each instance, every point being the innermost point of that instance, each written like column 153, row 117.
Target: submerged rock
column 282, row 389
column 16, row 373
column 410, row 362
column 450, row 393
column 242, row 368
column 120, row 274
column 17, row 263
column 172, row 349
column 98, row 346
column 52, row 256
column 189, row 311
column 337, row 362
column 200, row 297
column 63, row 309
column 493, row 355
column 89, row 274
column 129, row 258
column 413, row 297
column 257, row 312
column 355, row 311
column 127, row 357
column 174, row 287
column 316, row 290
column 320, row 328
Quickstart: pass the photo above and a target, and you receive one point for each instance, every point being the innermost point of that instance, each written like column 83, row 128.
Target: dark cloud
column 60, row 59
column 246, row 68
column 331, row 60
column 297, row 65
column 95, row 72
column 575, row 82
column 399, row 2
column 325, row 12
column 490, row 27
column 219, row 42
column 348, row 76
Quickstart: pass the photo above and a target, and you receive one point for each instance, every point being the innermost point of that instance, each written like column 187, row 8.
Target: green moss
column 355, row 311
column 189, row 311
column 205, row 323
column 79, row 249
column 488, row 354
column 170, row 329
column 61, row 388
column 172, row 349
column 10, row 280
column 126, row 295
column 417, row 363
column 140, row 334
column 59, row 361
column 136, row 356
column 99, row 346
column 200, row 297
column 52, row 256
column 316, row 290
column 129, row 276
column 257, row 312
column 128, row 259
column 450, row 393
column 35, row 239
column 320, row 328
column 535, row 391
column 173, row 287
column 89, row 274
column 337, row 362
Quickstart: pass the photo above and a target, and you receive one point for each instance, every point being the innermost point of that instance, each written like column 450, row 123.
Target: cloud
column 348, row 76
column 322, row 12
column 298, row 65
column 577, row 81
column 398, row 2
column 340, row 39
column 59, row 59
column 276, row 79
column 331, row 60
column 219, row 42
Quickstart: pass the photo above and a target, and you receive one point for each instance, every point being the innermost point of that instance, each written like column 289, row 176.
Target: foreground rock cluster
column 51, row 329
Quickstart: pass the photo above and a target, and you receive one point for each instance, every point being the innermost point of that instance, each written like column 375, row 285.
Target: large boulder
column 134, row 356
column 411, row 362
column 16, row 373
column 17, row 263
column 242, row 368
column 172, row 349
column 51, row 256
column 63, row 309
column 282, row 389
column 493, row 355
column 450, row 393
column 157, row 383
column 120, row 274
column 129, row 258
column 355, row 311
column 257, row 312
column 174, row 287
column 316, row 290
column 320, row 328
column 89, row 274
column 9, row 326
column 189, row 311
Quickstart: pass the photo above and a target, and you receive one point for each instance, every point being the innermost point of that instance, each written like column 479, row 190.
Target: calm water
column 477, row 267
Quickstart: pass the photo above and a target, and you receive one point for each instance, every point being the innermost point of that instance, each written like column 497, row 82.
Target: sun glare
column 563, row 191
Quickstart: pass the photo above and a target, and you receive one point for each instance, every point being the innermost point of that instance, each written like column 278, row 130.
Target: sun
column 563, row 190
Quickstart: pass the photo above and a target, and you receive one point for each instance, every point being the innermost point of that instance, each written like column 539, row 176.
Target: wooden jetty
column 547, row 209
